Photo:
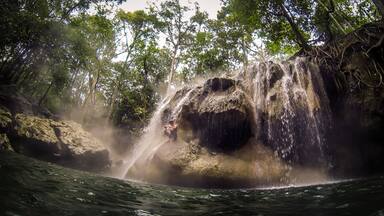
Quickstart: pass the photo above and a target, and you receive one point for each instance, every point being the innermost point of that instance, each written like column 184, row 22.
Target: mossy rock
column 5, row 145
column 64, row 142
column 35, row 128
column 5, row 119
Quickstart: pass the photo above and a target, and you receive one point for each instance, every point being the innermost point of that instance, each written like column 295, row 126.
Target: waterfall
column 292, row 110
column 290, row 113
column 151, row 140
column 154, row 137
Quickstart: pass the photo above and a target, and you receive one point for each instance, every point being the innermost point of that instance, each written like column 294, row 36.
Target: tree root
column 336, row 57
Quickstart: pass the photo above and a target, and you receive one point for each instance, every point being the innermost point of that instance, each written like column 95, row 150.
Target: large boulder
column 218, row 114
column 63, row 142
column 32, row 130
column 214, row 146
column 190, row 164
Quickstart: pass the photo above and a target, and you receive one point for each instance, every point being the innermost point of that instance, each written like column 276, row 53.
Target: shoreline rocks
column 58, row 141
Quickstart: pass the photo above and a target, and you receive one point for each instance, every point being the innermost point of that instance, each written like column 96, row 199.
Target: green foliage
column 287, row 25
column 83, row 55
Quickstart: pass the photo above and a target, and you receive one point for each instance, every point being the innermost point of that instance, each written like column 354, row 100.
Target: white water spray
column 152, row 140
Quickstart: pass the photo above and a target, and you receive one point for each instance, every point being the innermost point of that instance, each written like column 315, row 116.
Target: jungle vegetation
column 92, row 57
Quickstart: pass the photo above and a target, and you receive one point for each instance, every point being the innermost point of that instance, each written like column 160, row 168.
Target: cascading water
column 151, row 140
column 290, row 116
column 292, row 110
column 153, row 137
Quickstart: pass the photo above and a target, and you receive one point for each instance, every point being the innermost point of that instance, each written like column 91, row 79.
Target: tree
column 278, row 20
column 306, row 22
column 42, row 52
column 176, row 28
column 100, row 38
column 138, row 29
column 137, row 92
column 380, row 7
column 201, row 56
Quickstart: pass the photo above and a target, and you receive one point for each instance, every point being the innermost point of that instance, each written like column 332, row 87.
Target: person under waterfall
column 170, row 130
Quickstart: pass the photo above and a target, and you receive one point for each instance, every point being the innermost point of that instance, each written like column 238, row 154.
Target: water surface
column 31, row 187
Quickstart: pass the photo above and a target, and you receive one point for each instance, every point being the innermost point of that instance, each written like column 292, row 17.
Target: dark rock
column 218, row 114
column 353, row 81
column 276, row 74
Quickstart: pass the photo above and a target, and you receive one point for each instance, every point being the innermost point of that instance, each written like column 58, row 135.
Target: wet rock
column 190, row 164
column 217, row 114
column 291, row 111
column 230, row 131
column 276, row 74
column 63, row 142
column 353, row 79
column 34, row 131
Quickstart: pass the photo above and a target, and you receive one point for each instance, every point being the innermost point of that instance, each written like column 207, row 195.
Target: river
column 31, row 187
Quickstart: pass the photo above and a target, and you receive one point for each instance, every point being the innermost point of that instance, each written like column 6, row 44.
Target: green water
column 30, row 187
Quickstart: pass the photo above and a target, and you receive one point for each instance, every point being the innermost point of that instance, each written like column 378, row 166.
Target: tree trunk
column 330, row 12
column 380, row 7
column 328, row 30
column 299, row 36
column 112, row 105
column 45, row 94
column 172, row 69
column 95, row 86
column 245, row 53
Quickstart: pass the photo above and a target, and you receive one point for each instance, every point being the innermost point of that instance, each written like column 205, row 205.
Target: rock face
column 292, row 110
column 190, row 164
column 59, row 141
column 353, row 74
column 64, row 142
column 215, row 145
column 217, row 113
column 243, row 131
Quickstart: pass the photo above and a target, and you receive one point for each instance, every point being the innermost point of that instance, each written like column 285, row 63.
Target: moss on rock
column 5, row 145
column 5, row 118
column 65, row 142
